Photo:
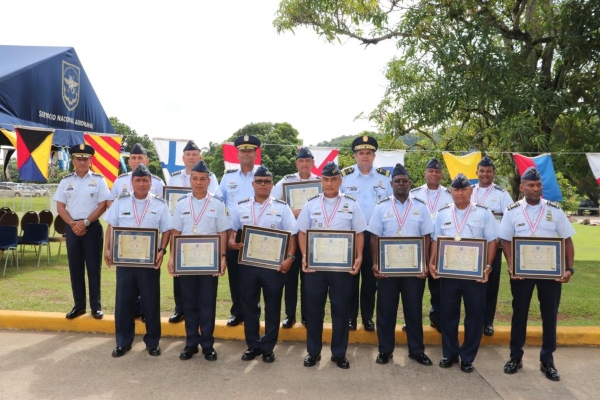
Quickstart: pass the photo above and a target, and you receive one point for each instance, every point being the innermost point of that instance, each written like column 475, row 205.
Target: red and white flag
column 230, row 156
column 594, row 160
column 323, row 155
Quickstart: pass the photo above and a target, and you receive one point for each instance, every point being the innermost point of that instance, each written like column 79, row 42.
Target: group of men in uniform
column 369, row 201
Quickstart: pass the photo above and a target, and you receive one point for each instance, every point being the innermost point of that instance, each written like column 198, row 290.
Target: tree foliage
column 498, row 76
column 131, row 137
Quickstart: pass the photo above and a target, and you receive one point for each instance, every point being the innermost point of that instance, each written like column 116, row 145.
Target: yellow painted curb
column 52, row 321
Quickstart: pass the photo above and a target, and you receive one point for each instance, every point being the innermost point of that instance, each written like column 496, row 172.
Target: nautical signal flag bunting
column 33, row 152
column 106, row 159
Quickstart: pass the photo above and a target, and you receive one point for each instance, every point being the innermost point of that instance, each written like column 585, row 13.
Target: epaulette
column 415, row 189
column 219, row 198
column 347, row 171
column 500, row 188
column 156, row 177
column 553, row 204
column 69, row 175
column 176, row 173
column 314, row 197
column 448, row 190
column 348, row 196
column 231, row 170
column 245, row 200
column 383, row 201
column 182, row 198
column 289, row 176
column 383, row 171
column 481, row 205
column 98, row 175
column 418, row 199
column 446, row 206
column 159, row 198
column 123, row 195
column 513, row 205
column 280, row 201
column 122, row 175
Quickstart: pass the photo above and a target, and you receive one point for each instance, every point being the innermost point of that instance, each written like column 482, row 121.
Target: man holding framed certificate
column 304, row 164
column 264, row 211
column 462, row 220
column 400, row 216
column 200, row 213
column 140, row 209
column 535, row 217
column 330, row 210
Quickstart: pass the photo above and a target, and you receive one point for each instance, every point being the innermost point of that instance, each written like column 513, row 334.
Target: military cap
column 247, row 142
column 400, row 170
column 138, row 149
column 531, row 174
column 365, row 142
column 191, row 146
column 304, row 152
column 460, row 182
column 200, row 167
column 331, row 169
column 433, row 164
column 141, row 170
column 263, row 171
column 82, row 150
column 486, row 162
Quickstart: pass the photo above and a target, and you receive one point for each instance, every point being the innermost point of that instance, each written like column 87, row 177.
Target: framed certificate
column 297, row 193
column 538, row 257
column 197, row 254
column 401, row 256
column 172, row 194
column 134, row 247
column 329, row 250
column 263, row 247
column 464, row 259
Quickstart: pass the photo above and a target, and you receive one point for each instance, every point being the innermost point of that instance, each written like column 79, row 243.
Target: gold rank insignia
column 549, row 216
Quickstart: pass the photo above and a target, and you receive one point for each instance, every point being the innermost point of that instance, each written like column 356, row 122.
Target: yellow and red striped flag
column 106, row 159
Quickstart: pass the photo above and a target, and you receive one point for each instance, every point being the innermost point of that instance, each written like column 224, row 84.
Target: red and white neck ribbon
column 197, row 220
column 537, row 221
column 139, row 220
column 485, row 196
column 328, row 219
column 402, row 220
column 433, row 207
column 262, row 211
column 462, row 224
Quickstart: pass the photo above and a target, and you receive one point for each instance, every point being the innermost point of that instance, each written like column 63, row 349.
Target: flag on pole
column 33, row 153
column 543, row 163
column 387, row 159
column 106, row 159
column 169, row 153
column 322, row 156
column 594, row 160
column 230, row 157
column 466, row 164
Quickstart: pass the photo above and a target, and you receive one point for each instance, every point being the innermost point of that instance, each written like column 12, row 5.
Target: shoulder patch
column 288, row 176
column 418, row 199
column 98, row 175
column 280, row 201
column 347, row 171
column 229, row 171
column 348, row 196
column 446, row 206
column 245, row 200
column 500, row 188
column 176, row 173
column 383, row 201
column 415, row 189
column 69, row 175
column 513, row 205
column 383, row 171
column 122, row 175
column 554, row 204
column 481, row 205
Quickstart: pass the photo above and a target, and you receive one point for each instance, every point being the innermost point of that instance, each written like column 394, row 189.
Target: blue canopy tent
column 48, row 87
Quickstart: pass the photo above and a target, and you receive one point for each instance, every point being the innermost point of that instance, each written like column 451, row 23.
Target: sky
column 203, row 70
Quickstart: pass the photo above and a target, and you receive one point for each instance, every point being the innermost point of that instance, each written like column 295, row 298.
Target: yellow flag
column 465, row 164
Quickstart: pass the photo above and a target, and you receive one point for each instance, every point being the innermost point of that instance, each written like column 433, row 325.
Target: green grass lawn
column 47, row 288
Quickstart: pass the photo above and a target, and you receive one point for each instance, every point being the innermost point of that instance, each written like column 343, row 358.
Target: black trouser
column 85, row 252
column 493, row 286
column 179, row 308
column 234, row 283
column 291, row 288
column 368, row 288
column 199, row 294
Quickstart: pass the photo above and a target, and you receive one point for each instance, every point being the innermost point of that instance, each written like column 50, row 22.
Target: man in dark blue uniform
column 534, row 216
column 80, row 200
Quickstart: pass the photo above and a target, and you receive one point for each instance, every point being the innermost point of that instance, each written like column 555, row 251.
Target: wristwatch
column 161, row 249
column 86, row 222
column 293, row 257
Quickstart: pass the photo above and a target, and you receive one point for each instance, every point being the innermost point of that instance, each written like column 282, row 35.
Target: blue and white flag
column 169, row 154
column 388, row 159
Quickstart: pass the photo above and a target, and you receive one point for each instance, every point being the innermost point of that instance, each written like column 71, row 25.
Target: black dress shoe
column 488, row 330
column 448, row 362
column 153, row 350
column 251, row 354
column 74, row 313
column 288, row 322
column 176, row 317
column 466, row 367
column 341, row 362
column 209, row 354
column 404, row 328
column 352, row 324
column 550, row 371
column 436, row 325
column 512, row 366
column 235, row 320
column 268, row 356
column 369, row 325
column 384, row 358
column 188, row 352
column 311, row 361
column 120, row 351
column 421, row 358
column 98, row 314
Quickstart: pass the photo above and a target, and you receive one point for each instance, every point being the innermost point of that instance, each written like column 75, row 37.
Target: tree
column 491, row 75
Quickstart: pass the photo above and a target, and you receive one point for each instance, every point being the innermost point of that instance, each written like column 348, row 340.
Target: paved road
column 51, row 365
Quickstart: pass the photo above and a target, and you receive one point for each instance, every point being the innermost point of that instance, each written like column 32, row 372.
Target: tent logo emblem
column 70, row 85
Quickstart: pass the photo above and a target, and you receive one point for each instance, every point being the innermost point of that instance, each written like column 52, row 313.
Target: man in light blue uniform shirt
column 496, row 200
column 81, row 200
column 140, row 209
column 236, row 185
column 262, row 210
column 462, row 219
column 368, row 185
column 533, row 216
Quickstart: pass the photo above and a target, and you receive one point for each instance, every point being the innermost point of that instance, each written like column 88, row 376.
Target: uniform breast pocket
column 273, row 221
column 448, row 228
column 475, row 228
column 522, row 230
column 415, row 218
column 549, row 226
column 152, row 217
column 352, row 190
column 380, row 193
